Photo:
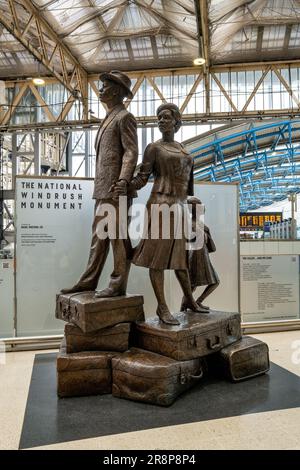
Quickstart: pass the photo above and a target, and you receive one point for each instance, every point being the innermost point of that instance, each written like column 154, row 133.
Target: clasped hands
column 118, row 189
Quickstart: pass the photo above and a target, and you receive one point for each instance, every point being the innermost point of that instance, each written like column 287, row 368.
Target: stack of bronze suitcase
column 109, row 348
column 171, row 359
column 96, row 331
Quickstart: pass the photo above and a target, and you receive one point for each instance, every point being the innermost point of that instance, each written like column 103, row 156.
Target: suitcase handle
column 214, row 346
column 185, row 378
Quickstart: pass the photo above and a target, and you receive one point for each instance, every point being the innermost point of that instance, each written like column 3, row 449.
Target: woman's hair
column 193, row 200
column 174, row 110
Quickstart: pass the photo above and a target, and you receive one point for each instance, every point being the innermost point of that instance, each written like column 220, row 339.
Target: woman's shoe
column 183, row 307
column 201, row 305
column 165, row 315
column 195, row 307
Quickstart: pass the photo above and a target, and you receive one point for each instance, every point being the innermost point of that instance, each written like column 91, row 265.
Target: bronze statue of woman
column 172, row 167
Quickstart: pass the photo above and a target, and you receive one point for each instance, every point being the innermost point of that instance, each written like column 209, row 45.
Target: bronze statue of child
column 201, row 270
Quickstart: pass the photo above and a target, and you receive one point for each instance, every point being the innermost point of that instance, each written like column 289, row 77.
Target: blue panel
column 265, row 173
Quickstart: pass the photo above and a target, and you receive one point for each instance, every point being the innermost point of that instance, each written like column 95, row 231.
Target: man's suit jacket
column 116, row 148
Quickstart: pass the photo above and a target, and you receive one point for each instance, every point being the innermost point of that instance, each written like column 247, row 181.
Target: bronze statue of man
column 116, row 158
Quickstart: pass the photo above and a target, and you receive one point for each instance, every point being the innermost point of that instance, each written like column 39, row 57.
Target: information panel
column 6, row 298
column 269, row 288
column 53, row 225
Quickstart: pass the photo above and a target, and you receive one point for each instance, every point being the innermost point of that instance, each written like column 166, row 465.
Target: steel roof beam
column 174, row 27
column 44, row 33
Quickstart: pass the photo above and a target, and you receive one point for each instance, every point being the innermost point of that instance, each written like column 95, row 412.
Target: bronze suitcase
column 197, row 335
column 92, row 314
column 114, row 338
column 83, row 373
column 148, row 377
column 247, row 358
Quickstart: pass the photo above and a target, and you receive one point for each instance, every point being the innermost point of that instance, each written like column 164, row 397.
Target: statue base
column 151, row 378
column 168, row 359
column 242, row 360
column 90, row 313
column 83, row 373
column 115, row 338
column 198, row 335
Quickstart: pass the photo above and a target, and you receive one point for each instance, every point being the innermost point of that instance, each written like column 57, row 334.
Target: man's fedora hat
column 118, row 77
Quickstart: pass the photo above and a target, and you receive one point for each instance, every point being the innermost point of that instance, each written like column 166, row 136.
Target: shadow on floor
column 49, row 420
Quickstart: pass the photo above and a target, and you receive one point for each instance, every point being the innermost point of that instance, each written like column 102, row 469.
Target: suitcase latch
column 76, row 312
column 65, row 311
column 230, row 329
column 183, row 379
column 192, row 342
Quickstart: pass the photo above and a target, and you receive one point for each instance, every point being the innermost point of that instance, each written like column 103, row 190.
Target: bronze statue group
column 108, row 346
column 171, row 167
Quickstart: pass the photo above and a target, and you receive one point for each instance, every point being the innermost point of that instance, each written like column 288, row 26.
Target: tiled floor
column 269, row 430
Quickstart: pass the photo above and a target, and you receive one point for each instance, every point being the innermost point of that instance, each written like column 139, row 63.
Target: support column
column 37, row 153
column 69, row 155
column 293, row 200
column 86, row 152
column 207, row 90
column 85, row 96
column 14, row 158
column 1, row 191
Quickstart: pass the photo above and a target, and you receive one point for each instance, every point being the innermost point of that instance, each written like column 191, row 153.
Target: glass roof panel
column 263, row 29
column 156, row 30
column 273, row 37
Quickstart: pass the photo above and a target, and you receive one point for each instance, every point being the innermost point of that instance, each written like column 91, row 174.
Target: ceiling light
column 199, row 61
column 38, row 81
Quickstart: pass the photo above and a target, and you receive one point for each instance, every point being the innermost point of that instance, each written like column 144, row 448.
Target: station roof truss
column 263, row 159
column 97, row 35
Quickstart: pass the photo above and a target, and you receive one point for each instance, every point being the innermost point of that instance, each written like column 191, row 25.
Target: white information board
column 53, row 226
column 221, row 216
column 6, row 298
column 269, row 288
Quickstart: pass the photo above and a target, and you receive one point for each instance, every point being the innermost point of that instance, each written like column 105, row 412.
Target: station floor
column 275, row 429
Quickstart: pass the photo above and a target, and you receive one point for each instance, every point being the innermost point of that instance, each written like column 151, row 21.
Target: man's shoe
column 165, row 315
column 109, row 292
column 76, row 288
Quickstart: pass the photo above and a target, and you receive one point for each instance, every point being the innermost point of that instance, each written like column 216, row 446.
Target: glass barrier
column 53, row 229
column 6, row 296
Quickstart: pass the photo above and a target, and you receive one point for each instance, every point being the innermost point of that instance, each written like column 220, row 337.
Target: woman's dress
column 172, row 168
